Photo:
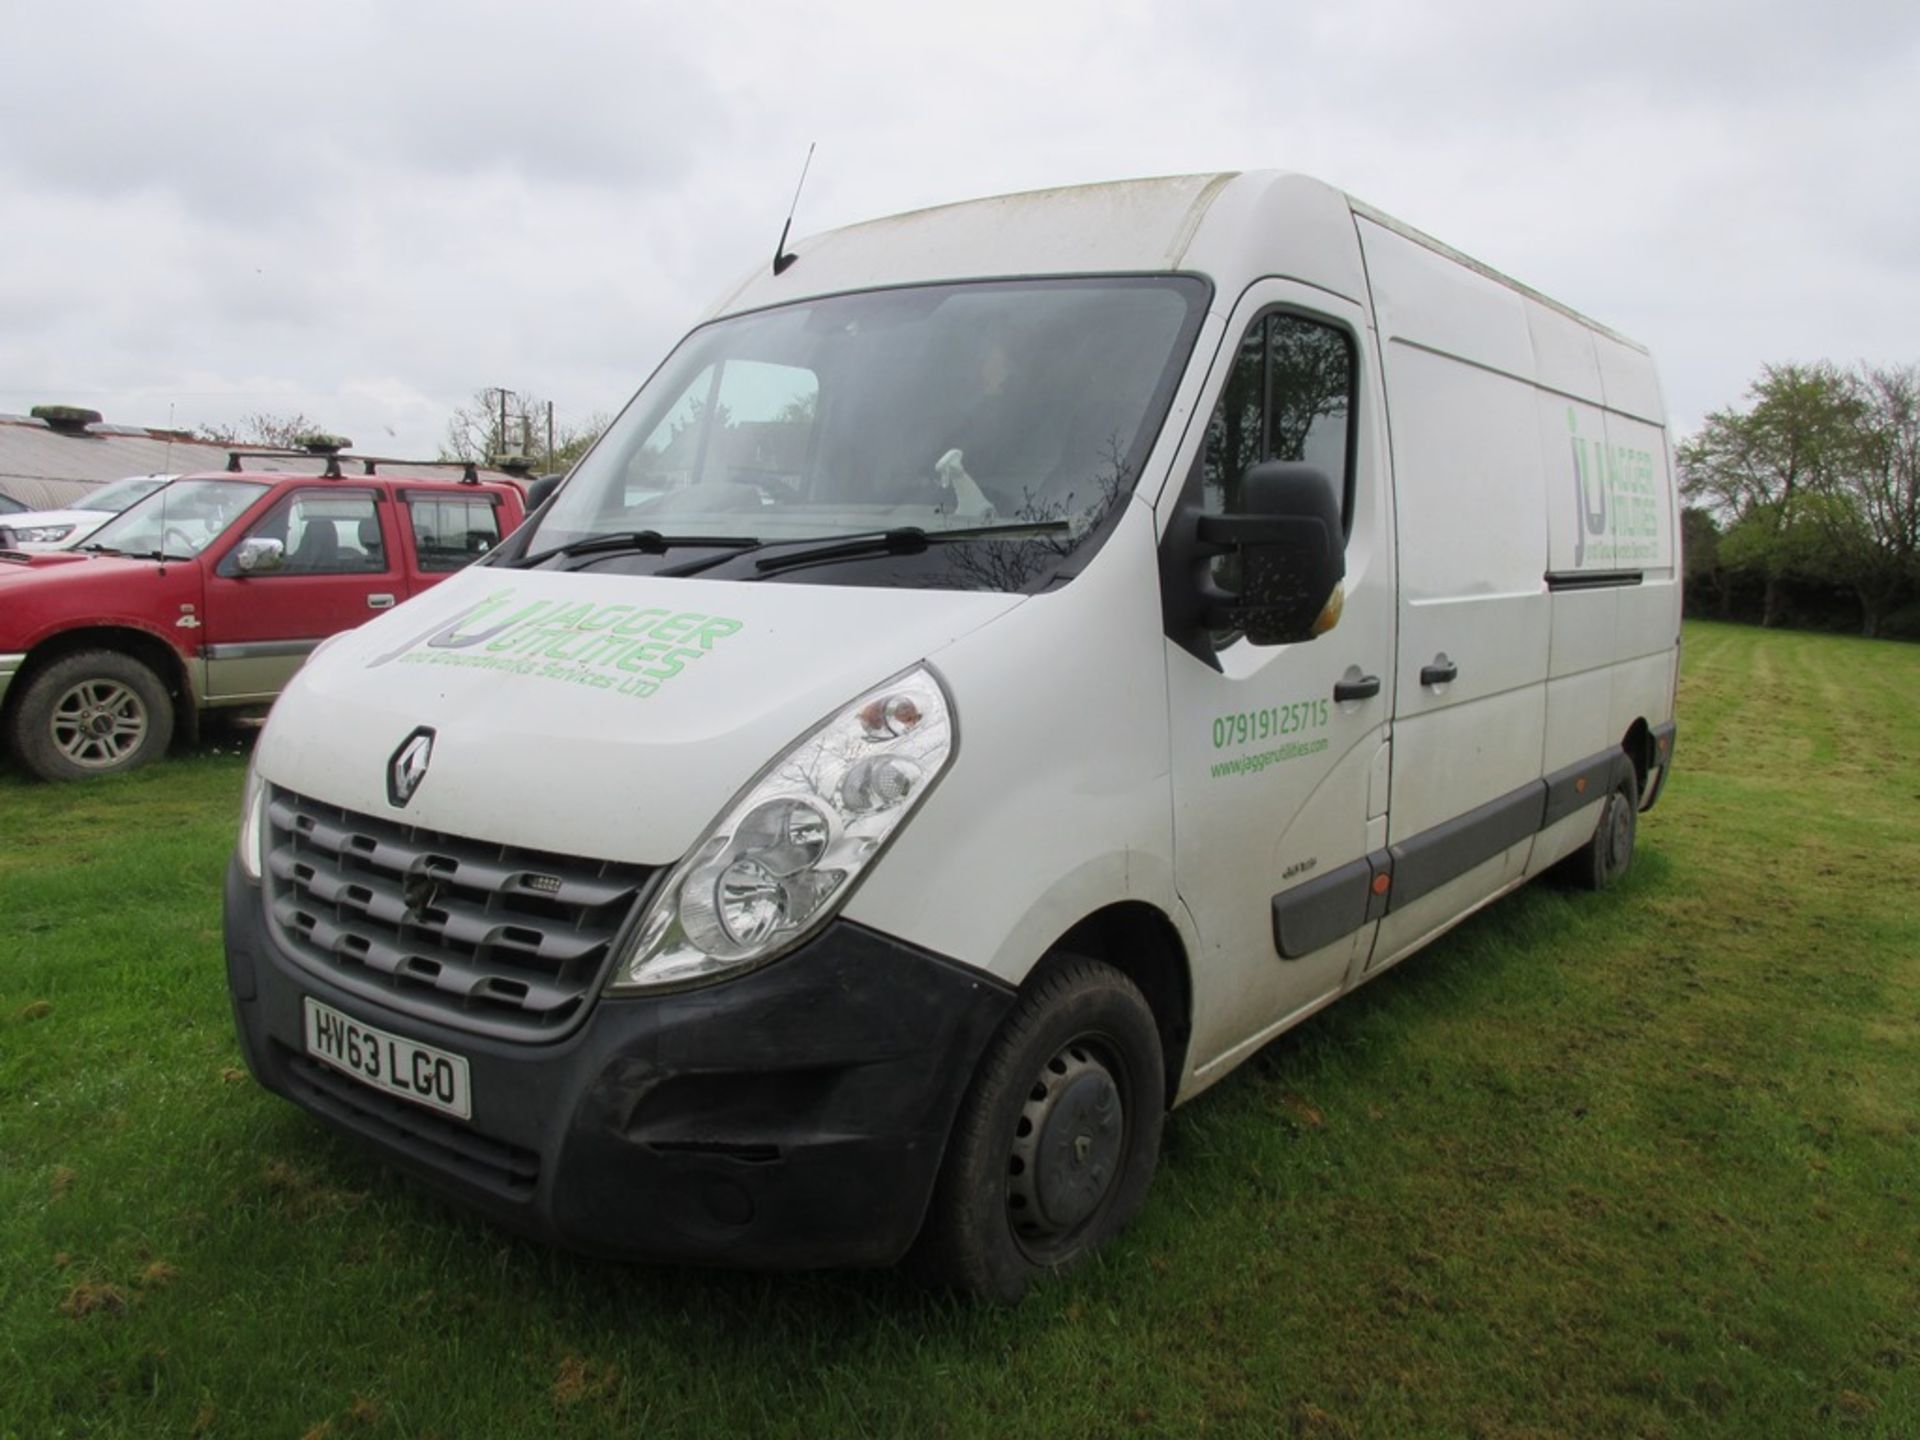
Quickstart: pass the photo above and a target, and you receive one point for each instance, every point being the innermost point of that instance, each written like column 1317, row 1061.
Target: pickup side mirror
column 1292, row 553
column 259, row 556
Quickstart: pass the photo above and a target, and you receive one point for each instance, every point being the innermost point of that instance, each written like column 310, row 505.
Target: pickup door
column 341, row 565
column 351, row 551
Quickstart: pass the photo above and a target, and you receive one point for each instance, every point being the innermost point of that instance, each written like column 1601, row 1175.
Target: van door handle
column 1442, row 672
column 379, row 602
column 1365, row 688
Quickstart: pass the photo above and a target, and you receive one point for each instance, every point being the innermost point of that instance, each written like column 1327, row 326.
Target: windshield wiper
column 102, row 550
column 905, row 540
column 641, row 542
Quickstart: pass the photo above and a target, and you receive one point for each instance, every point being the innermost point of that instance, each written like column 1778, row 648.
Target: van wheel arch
column 1140, row 942
column 1639, row 745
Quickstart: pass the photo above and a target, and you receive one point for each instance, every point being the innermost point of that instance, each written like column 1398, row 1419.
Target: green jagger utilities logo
column 628, row 649
column 1615, row 498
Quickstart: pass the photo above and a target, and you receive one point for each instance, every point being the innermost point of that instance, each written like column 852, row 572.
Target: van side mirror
column 1292, row 553
column 539, row 489
column 259, row 556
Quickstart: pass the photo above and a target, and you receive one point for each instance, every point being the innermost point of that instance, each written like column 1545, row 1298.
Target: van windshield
column 979, row 407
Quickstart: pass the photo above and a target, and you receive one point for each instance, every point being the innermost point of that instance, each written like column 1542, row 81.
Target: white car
column 63, row 529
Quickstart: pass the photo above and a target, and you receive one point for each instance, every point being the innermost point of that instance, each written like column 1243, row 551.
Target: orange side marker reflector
column 1381, row 882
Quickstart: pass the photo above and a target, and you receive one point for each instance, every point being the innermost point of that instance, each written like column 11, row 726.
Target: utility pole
column 549, row 435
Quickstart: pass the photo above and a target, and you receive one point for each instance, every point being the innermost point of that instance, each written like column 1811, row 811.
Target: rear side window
column 450, row 531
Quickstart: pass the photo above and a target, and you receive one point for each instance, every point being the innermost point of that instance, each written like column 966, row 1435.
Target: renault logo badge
column 409, row 766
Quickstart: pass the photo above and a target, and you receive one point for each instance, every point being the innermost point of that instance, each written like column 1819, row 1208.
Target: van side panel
column 1538, row 561
column 1472, row 524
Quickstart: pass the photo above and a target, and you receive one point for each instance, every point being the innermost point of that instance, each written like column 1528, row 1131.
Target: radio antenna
column 160, row 551
column 781, row 259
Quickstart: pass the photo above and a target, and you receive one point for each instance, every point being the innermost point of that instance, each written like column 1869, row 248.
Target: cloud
column 367, row 211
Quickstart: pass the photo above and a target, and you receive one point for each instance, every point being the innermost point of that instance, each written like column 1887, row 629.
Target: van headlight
column 253, row 823
column 787, row 853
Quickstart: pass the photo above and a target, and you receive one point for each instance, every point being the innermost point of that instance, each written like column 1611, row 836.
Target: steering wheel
column 166, row 539
column 775, row 485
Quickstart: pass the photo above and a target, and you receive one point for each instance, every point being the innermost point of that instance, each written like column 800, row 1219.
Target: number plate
column 392, row 1063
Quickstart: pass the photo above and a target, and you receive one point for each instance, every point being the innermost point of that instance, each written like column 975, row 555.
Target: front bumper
column 9, row 667
column 794, row 1117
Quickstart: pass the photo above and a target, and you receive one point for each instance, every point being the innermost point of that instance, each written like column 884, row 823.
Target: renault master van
column 1008, row 664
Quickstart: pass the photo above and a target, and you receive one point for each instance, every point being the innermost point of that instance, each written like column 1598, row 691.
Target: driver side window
column 325, row 532
column 1290, row 396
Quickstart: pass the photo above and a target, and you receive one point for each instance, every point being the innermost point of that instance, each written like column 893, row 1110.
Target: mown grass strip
column 1641, row 1163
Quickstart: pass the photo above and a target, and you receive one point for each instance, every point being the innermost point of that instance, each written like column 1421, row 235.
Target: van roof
column 1231, row 225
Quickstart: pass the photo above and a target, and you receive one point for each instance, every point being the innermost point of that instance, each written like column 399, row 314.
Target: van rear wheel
column 1057, row 1139
column 1604, row 859
column 97, row 712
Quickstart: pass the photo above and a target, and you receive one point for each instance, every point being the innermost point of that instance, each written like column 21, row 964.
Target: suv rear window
column 450, row 531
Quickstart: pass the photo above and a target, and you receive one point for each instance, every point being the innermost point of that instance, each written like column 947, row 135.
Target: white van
column 1008, row 664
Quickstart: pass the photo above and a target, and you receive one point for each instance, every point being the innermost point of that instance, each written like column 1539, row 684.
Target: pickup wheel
column 94, row 713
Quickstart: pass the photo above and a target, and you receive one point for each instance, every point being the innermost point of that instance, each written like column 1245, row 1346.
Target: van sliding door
column 1474, row 617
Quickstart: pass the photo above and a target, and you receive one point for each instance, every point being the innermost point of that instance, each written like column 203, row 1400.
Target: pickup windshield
column 1021, row 410
column 177, row 521
column 118, row 496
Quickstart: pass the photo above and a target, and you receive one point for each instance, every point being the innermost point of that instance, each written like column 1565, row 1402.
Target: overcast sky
column 366, row 211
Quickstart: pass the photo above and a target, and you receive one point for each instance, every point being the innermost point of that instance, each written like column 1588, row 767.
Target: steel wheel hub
column 1067, row 1145
column 1619, row 833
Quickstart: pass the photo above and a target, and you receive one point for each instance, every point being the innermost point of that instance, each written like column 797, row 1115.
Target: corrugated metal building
column 49, row 466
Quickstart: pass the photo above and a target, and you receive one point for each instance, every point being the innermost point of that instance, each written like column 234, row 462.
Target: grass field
column 1645, row 1163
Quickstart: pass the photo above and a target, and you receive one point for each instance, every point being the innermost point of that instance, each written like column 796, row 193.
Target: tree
column 571, row 441
column 273, row 432
column 498, row 423
column 1761, row 469
column 1869, row 513
column 1700, row 543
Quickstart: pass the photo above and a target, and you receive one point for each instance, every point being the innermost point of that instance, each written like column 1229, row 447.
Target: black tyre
column 1609, row 854
column 1057, row 1139
column 97, row 712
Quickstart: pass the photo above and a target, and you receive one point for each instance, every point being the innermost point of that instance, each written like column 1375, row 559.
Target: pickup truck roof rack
column 369, row 464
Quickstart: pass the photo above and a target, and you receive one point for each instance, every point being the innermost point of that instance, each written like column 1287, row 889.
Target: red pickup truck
column 209, row 594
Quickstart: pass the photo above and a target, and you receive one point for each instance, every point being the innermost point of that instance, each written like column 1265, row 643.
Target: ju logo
column 1615, row 502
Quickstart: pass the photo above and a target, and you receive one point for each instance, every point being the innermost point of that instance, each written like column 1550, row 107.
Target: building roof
column 50, row 468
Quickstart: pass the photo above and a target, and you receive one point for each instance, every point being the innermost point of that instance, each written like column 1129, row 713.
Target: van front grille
column 480, row 937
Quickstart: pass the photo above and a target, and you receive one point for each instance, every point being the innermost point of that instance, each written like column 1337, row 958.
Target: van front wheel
column 1057, row 1139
